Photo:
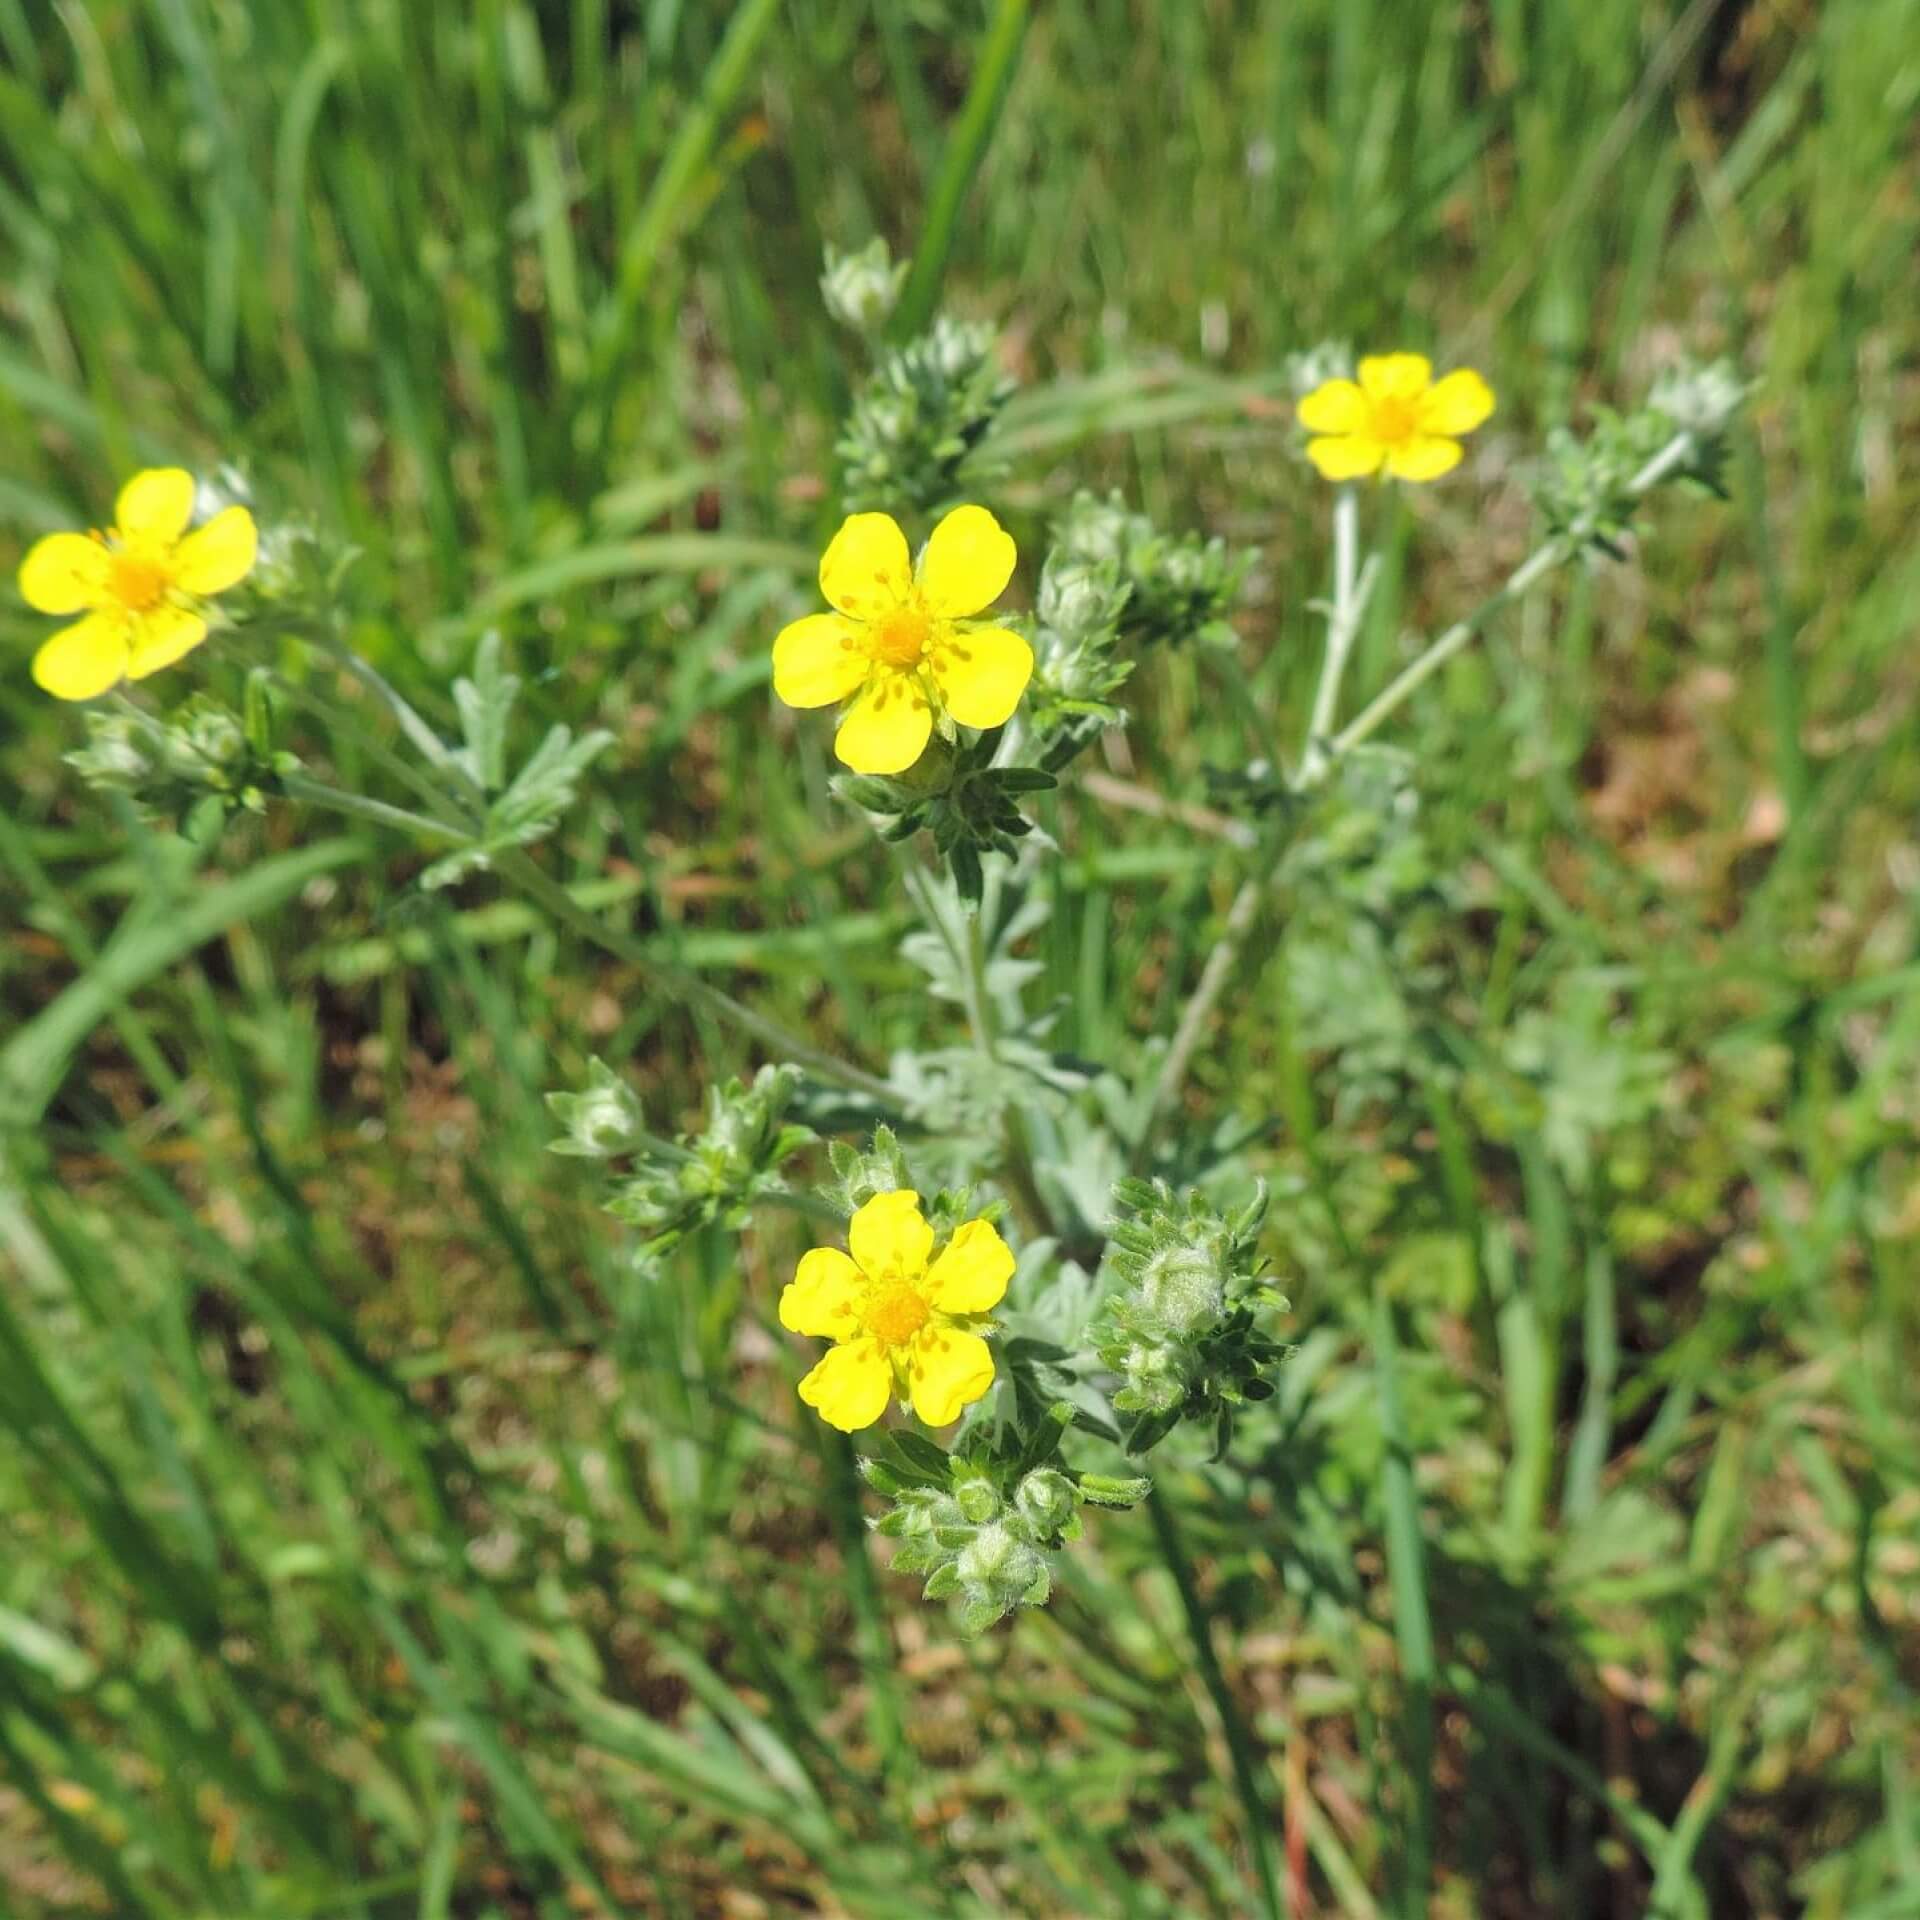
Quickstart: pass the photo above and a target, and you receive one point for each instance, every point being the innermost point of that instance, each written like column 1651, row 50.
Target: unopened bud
column 861, row 288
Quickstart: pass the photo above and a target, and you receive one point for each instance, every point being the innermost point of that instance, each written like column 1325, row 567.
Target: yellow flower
column 900, row 638
column 902, row 1326
column 1396, row 416
column 139, row 585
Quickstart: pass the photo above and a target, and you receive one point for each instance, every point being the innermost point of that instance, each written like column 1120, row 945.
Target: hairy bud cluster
column 1590, row 485
column 862, row 288
column 698, row 1180
column 1314, row 366
column 1181, row 1333
column 604, row 1121
column 859, row 1173
column 1076, row 666
column 984, row 1523
column 202, row 762
column 1178, row 588
column 919, row 417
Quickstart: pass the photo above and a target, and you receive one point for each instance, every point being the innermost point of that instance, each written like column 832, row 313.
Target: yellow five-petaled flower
column 139, row 586
column 900, row 638
column 1395, row 418
column 902, row 1321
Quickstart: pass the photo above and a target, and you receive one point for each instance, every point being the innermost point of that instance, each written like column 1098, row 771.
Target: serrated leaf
column 485, row 702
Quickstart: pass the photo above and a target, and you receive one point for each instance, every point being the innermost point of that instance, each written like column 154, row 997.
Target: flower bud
column 861, row 288
column 1182, row 1331
column 998, row 1566
column 915, row 431
column 1079, row 596
column 1329, row 360
column 1045, row 1499
column 1096, row 530
column 1702, row 399
column 117, row 752
column 603, row 1121
column 197, row 754
column 205, row 739
column 1156, row 1377
column 977, row 1500
column 1185, row 1286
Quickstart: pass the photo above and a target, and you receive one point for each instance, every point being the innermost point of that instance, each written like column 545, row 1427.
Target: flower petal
column 1457, row 404
column 972, row 1273
column 947, row 1370
column 84, row 659
column 967, row 564
column 1395, row 376
column 1335, row 406
column 817, row 661
column 850, row 1386
column 822, row 1295
column 866, row 568
column 1423, row 458
column 154, row 507
column 1349, row 457
column 982, row 674
column 888, row 1235
column 888, row 728
column 64, row 572
column 219, row 555
column 159, row 638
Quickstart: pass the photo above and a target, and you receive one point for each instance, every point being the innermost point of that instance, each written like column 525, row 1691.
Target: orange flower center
column 894, row 1313
column 138, row 584
column 899, row 638
column 1396, row 418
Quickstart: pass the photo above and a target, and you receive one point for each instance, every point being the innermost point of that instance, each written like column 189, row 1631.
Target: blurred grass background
column 371, row 1548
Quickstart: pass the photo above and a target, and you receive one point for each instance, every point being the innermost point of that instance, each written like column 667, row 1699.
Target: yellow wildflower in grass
column 900, row 639
column 138, row 586
column 902, row 1321
column 1395, row 417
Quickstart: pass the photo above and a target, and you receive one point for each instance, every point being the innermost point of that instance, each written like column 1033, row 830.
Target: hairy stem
column 1351, row 586
column 984, row 1024
column 1350, row 590
column 316, row 793
column 1542, row 561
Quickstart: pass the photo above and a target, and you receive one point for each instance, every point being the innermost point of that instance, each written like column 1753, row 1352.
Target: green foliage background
column 373, row 1547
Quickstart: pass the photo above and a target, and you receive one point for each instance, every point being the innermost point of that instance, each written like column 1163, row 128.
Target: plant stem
column 1351, row 586
column 1351, row 589
column 426, row 742
column 984, row 1025
column 1556, row 552
column 1318, row 760
column 316, row 793
column 1246, row 1770
column 1199, row 1010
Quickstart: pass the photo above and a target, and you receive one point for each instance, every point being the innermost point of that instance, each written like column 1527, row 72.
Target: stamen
column 894, row 1313
column 900, row 639
column 138, row 584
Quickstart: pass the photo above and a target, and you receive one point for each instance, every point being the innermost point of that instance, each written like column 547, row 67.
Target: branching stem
column 1324, row 749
